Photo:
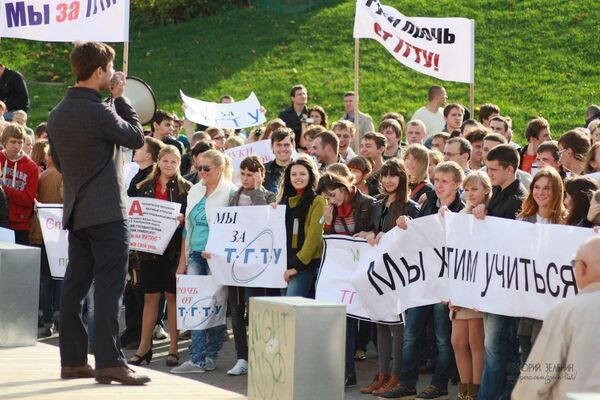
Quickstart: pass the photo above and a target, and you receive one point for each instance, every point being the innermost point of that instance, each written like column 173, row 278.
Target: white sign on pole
column 440, row 47
column 56, row 239
column 69, row 21
column 152, row 223
column 341, row 255
column 201, row 302
column 237, row 115
column 248, row 246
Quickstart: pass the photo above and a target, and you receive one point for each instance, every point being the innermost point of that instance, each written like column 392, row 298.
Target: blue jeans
column 301, row 283
column 501, row 359
column 414, row 329
column 206, row 343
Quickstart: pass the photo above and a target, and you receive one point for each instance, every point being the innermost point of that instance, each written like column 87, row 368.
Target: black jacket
column 13, row 90
column 142, row 174
column 387, row 222
column 174, row 195
column 430, row 206
column 273, row 174
column 507, row 203
column 362, row 206
column 292, row 121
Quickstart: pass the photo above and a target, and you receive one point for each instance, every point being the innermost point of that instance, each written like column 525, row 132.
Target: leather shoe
column 124, row 375
column 82, row 371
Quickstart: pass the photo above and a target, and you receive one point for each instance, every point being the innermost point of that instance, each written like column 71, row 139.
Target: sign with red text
column 341, row 255
column 152, row 223
column 56, row 239
column 440, row 47
column 65, row 21
column 201, row 302
column 247, row 246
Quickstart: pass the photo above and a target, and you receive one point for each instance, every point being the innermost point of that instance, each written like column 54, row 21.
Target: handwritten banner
column 152, row 224
column 248, row 246
column 68, row 21
column 261, row 149
column 471, row 263
column 201, row 302
column 241, row 114
column 56, row 239
column 341, row 255
column 440, row 47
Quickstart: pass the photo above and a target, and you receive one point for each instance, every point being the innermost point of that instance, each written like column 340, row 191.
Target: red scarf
column 345, row 210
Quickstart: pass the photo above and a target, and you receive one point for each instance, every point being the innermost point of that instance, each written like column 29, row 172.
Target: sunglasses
column 205, row 168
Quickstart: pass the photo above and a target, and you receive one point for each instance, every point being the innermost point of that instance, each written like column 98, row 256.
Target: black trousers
column 97, row 253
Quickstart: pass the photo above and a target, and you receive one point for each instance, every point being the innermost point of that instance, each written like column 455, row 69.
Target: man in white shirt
column 344, row 130
column 432, row 114
column 565, row 355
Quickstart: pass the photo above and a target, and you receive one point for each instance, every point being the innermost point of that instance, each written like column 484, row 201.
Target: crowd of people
column 438, row 161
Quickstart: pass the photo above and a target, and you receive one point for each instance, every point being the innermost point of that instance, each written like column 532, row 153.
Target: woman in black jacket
column 158, row 271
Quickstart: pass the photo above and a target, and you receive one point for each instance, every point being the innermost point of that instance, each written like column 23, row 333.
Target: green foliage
column 173, row 11
column 533, row 57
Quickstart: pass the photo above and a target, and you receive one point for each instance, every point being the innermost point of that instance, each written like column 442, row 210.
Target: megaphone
column 141, row 97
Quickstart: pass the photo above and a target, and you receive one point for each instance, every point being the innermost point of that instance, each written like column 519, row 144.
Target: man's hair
column 198, row 136
column 395, row 116
column 393, row 124
column 329, row 138
column 313, row 131
column 506, row 155
column 344, row 125
column 228, row 97
column 201, row 147
column 295, row 88
column 417, row 122
column 450, row 167
column 441, row 135
column 464, row 145
column 495, row 137
column 86, row 57
column 361, row 163
column 550, row 146
column 40, row 129
column 593, row 109
column 486, row 110
column 379, row 139
column 213, row 132
column 20, row 113
column 534, row 127
column 503, row 120
column 477, row 135
column 348, row 93
column 280, row 134
column 253, row 164
column 578, row 142
column 434, row 91
column 159, row 117
column 450, row 106
column 13, row 131
column 153, row 146
column 233, row 141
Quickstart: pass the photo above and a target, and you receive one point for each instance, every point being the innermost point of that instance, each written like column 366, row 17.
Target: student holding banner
column 416, row 160
column 543, row 205
column 348, row 212
column 213, row 191
column 252, row 173
column 157, row 273
column 501, row 360
column 448, row 177
column 395, row 202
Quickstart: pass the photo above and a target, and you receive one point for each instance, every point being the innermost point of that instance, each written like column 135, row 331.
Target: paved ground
column 227, row 358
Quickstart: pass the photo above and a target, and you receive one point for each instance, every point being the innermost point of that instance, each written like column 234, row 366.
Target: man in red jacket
column 20, row 177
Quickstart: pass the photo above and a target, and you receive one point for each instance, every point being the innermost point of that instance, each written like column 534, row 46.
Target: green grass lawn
column 533, row 57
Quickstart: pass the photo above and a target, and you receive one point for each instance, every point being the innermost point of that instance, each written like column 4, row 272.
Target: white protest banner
column 237, row 115
column 401, row 272
column 152, row 223
column 68, row 21
column 440, row 47
column 56, row 239
column 248, row 246
column 7, row 235
column 510, row 267
column 201, row 302
column 341, row 255
column 261, row 149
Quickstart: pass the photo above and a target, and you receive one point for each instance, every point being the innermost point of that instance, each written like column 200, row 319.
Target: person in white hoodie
column 213, row 191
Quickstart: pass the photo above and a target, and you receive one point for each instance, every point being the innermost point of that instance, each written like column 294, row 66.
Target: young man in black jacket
column 501, row 362
column 13, row 91
column 297, row 112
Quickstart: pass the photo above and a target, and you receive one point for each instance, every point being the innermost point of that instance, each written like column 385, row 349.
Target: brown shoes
column 83, row 371
column 124, row 375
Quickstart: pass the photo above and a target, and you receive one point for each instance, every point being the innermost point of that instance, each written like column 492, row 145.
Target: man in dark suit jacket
column 85, row 136
column 13, row 91
column 294, row 115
